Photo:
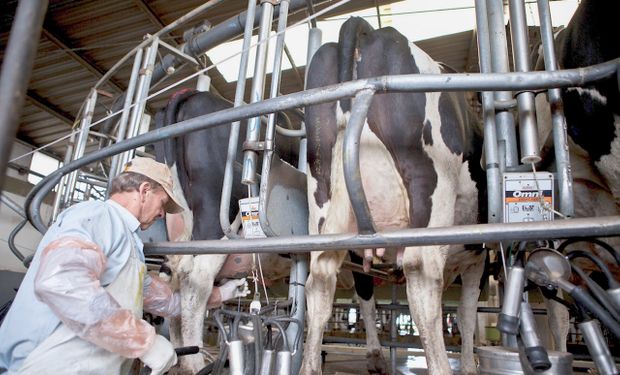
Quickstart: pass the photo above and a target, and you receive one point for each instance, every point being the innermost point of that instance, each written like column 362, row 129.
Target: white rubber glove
column 234, row 288
column 160, row 357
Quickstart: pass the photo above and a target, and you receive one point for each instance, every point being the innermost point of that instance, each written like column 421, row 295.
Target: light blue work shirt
column 30, row 321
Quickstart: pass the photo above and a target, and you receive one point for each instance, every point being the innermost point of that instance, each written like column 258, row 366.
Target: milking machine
column 256, row 342
column 592, row 305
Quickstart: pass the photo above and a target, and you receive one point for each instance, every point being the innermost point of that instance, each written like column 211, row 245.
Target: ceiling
column 82, row 39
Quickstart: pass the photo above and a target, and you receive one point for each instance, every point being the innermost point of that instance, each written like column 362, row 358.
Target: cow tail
column 172, row 147
column 348, row 42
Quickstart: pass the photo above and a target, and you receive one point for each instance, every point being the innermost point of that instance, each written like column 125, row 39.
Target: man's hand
column 160, row 357
column 234, row 288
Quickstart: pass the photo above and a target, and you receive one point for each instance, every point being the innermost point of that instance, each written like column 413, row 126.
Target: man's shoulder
column 97, row 210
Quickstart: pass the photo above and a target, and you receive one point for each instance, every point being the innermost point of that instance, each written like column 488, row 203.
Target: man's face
column 153, row 202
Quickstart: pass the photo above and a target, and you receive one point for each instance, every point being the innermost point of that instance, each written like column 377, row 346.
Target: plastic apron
column 63, row 352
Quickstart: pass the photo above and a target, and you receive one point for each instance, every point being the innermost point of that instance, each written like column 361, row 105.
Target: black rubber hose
column 611, row 281
column 596, row 241
column 11, row 240
column 185, row 350
column 581, row 296
column 598, row 292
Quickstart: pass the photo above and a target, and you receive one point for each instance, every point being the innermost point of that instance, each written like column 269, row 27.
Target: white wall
column 19, row 150
column 27, row 239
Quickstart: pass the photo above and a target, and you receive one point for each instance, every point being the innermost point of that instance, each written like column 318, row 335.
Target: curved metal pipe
column 233, row 139
column 402, row 83
column 351, row 162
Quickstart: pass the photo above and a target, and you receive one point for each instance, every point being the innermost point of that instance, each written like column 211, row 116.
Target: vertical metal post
column 271, row 118
column 80, row 145
column 314, row 42
column 15, row 74
column 560, row 140
column 506, row 135
column 393, row 336
column 250, row 157
column 296, row 290
column 528, row 132
column 62, row 185
column 274, row 92
column 491, row 152
column 142, row 91
column 122, row 127
column 233, row 139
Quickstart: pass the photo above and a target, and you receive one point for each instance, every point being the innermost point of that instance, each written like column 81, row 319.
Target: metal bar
column 314, row 42
column 504, row 120
column 160, row 69
column 296, row 292
column 351, row 162
column 462, row 234
column 13, row 205
column 560, row 140
column 354, row 267
column 290, row 59
column 62, row 186
column 122, row 127
column 528, row 132
column 233, row 139
column 80, row 146
column 491, row 152
column 393, row 333
column 404, row 83
column 271, row 119
column 446, row 309
column 142, row 92
column 311, row 12
column 248, row 176
column 15, row 74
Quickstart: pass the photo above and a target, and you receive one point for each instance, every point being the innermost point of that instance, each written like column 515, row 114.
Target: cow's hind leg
column 320, row 289
column 467, row 310
column 375, row 362
column 558, row 323
column 423, row 267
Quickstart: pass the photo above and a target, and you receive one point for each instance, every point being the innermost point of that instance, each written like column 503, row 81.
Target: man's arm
column 68, row 281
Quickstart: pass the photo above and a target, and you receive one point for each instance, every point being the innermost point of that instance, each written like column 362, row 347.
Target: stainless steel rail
column 400, row 83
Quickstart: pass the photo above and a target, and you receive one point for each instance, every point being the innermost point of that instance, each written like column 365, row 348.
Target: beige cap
column 159, row 173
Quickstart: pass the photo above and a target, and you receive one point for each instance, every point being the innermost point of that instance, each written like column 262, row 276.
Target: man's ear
column 144, row 187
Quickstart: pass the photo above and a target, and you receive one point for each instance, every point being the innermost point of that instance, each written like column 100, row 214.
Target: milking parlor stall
column 392, row 187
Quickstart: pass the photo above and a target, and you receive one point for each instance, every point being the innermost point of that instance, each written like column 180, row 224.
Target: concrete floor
column 348, row 360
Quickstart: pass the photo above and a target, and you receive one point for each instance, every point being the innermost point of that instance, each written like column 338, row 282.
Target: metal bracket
column 253, row 146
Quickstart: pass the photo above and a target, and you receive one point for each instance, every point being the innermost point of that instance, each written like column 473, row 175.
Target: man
column 79, row 307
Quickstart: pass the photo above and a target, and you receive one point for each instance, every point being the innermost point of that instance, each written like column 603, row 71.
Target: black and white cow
column 420, row 168
column 593, row 125
column 198, row 161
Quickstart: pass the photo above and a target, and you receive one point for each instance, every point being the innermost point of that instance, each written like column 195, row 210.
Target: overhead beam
column 53, row 34
column 154, row 18
column 50, row 108
column 177, row 41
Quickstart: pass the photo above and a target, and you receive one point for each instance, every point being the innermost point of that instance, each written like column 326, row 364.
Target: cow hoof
column 375, row 363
